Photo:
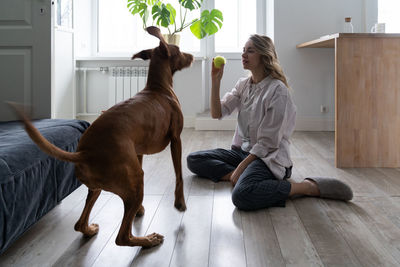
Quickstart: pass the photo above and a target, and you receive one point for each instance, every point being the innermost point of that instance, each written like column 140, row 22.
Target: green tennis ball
column 218, row 61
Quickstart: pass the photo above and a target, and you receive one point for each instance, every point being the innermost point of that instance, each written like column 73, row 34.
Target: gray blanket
column 31, row 182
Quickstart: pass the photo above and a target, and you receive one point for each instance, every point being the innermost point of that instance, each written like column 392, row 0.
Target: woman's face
column 251, row 60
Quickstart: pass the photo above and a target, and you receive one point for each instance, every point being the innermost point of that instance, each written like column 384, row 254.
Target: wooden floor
column 307, row 232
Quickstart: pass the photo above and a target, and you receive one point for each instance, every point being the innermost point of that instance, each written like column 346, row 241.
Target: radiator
column 125, row 82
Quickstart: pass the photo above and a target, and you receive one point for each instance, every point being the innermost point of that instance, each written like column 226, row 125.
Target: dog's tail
column 42, row 142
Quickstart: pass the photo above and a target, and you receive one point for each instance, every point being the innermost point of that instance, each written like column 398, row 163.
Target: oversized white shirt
column 270, row 113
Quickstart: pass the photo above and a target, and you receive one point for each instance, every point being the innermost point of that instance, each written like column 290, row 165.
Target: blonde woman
column 258, row 163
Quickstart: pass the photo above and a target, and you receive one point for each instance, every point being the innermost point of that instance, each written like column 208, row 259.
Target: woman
column 258, row 162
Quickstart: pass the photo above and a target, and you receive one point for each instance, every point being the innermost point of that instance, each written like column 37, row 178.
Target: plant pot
column 172, row 39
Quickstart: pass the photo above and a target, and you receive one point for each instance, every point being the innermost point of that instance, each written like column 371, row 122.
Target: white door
column 25, row 56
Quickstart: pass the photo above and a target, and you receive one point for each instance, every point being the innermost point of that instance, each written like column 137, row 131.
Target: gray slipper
column 332, row 188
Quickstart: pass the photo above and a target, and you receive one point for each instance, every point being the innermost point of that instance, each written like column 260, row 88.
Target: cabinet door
column 25, row 56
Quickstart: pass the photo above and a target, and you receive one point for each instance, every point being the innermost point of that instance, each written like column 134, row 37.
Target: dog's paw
column 89, row 230
column 180, row 205
column 153, row 240
column 148, row 241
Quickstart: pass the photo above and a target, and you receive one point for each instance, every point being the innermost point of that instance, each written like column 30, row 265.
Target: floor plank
column 192, row 245
column 113, row 255
column 379, row 225
column 331, row 247
column 167, row 222
column 261, row 242
column 227, row 243
column 84, row 251
column 365, row 246
column 294, row 242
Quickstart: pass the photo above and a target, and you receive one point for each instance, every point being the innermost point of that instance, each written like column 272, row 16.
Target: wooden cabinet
column 367, row 98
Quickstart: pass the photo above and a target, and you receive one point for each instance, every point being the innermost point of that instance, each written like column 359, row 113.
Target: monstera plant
column 165, row 15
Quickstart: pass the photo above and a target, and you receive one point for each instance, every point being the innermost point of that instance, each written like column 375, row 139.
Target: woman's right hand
column 216, row 73
column 215, row 102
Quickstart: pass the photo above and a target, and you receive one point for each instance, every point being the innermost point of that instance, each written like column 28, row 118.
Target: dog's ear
column 155, row 32
column 144, row 54
column 164, row 49
column 163, row 44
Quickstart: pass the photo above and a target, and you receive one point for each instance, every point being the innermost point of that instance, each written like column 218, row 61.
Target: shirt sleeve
column 272, row 126
column 231, row 100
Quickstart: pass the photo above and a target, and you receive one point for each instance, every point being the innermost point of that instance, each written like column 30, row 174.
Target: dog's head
column 177, row 60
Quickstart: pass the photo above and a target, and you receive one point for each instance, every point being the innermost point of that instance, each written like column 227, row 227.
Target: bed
column 31, row 182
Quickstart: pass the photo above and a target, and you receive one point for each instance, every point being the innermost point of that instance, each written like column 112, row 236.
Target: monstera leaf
column 161, row 15
column 207, row 24
column 139, row 7
column 172, row 12
column 191, row 4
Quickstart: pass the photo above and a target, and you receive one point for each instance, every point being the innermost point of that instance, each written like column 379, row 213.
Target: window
column 64, row 13
column 388, row 13
column 119, row 32
column 239, row 24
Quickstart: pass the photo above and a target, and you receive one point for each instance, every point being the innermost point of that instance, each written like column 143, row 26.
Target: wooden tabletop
column 328, row 41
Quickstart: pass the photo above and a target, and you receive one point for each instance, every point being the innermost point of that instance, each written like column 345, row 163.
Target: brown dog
column 109, row 154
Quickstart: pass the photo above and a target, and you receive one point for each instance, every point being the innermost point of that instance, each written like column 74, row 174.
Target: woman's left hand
column 236, row 174
column 241, row 167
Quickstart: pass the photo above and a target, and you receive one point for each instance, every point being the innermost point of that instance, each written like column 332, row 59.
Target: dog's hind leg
column 131, row 193
column 176, row 153
column 125, row 237
column 82, row 225
column 132, row 197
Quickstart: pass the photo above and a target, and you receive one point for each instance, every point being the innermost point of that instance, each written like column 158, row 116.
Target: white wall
column 310, row 70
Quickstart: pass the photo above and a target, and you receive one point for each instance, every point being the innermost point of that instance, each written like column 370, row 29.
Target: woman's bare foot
column 227, row 177
column 306, row 187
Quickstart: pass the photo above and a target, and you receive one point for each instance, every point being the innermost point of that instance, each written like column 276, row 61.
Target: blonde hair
column 265, row 47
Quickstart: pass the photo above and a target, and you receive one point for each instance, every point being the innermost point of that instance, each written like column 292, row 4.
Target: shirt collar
column 263, row 83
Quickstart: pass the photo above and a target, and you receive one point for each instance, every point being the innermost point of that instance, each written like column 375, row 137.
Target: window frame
column 264, row 25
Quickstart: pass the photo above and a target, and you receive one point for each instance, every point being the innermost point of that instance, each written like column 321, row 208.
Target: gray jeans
column 256, row 188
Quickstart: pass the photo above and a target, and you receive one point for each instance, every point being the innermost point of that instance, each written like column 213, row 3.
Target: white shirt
column 266, row 120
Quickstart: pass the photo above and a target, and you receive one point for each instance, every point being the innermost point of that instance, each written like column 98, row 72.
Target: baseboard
column 214, row 124
column 203, row 122
column 189, row 121
column 303, row 123
column 309, row 123
column 87, row 117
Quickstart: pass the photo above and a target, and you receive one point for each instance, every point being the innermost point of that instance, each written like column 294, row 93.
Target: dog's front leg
column 176, row 152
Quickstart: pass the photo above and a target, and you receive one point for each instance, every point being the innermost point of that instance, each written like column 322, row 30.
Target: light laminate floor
column 307, row 232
